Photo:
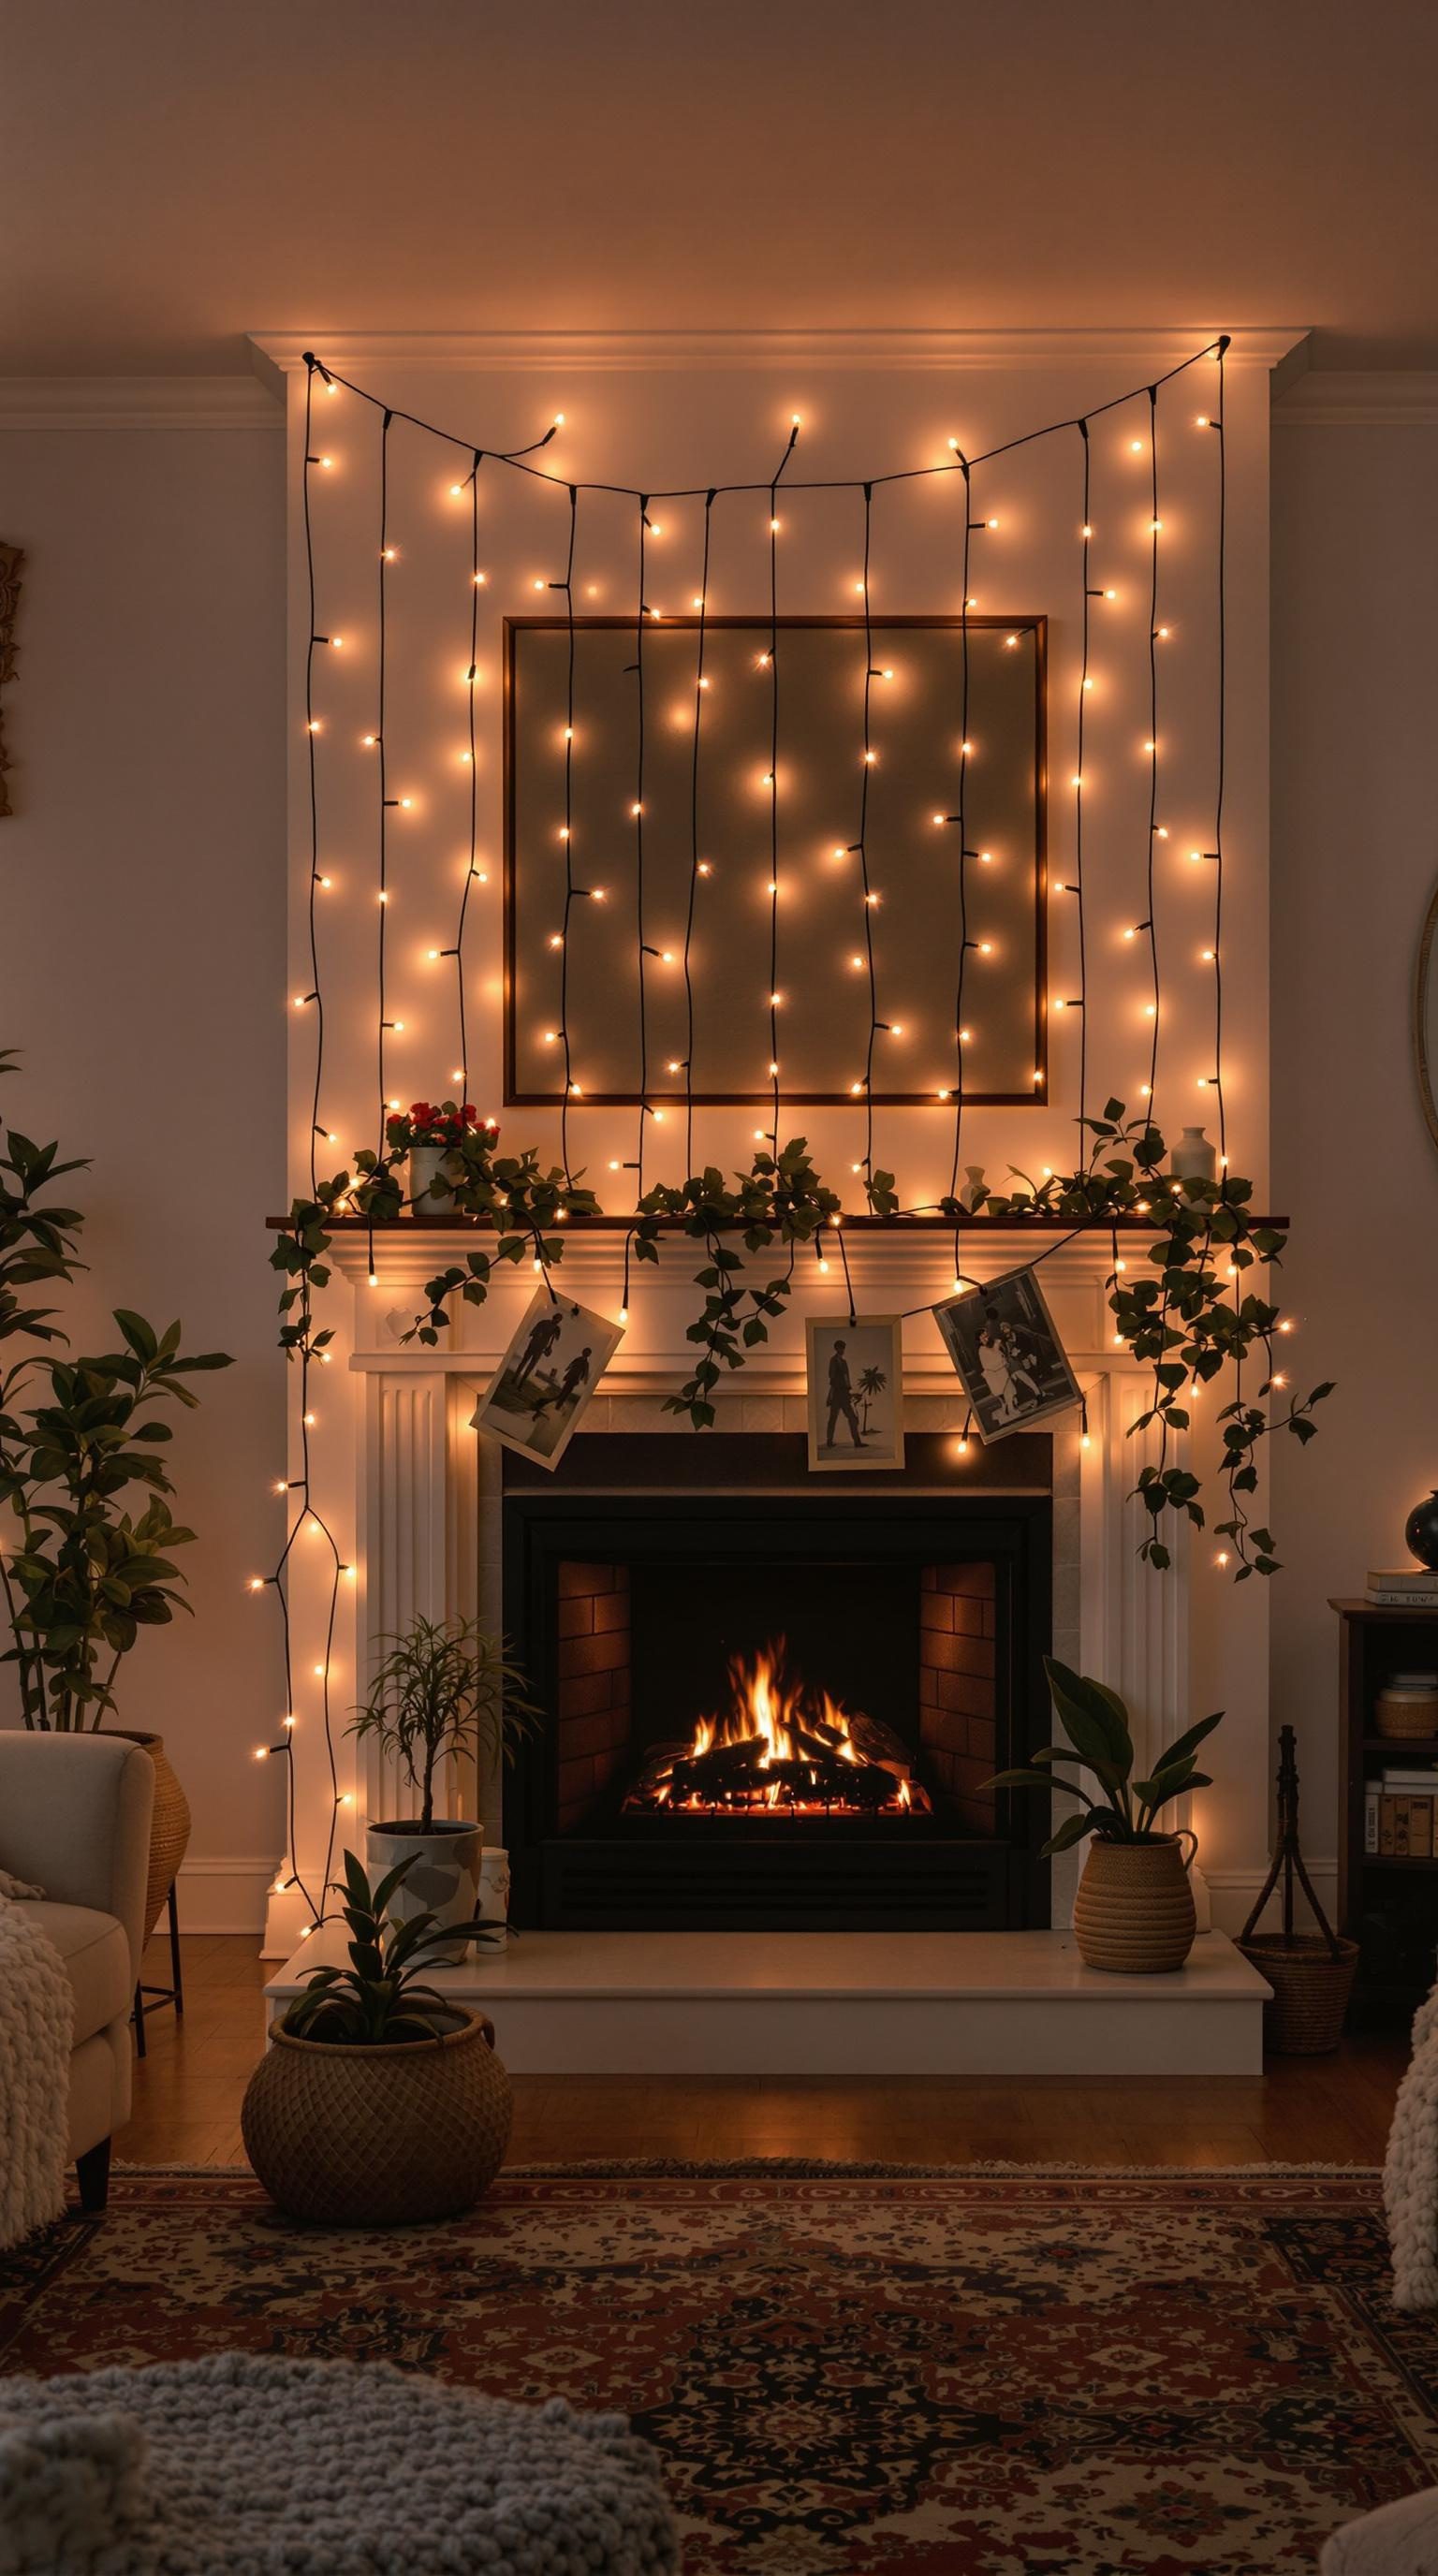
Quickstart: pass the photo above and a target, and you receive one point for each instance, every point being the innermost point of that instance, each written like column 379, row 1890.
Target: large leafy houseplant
column 82, row 1570
column 1100, row 1741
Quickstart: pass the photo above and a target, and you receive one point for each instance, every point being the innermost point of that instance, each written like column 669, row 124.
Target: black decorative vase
column 1421, row 1531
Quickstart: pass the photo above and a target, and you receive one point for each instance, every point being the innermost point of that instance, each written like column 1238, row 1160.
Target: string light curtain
column 496, row 483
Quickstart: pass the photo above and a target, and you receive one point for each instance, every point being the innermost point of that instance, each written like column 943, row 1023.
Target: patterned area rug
column 848, row 2372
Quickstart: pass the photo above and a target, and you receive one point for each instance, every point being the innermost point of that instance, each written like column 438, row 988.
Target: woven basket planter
column 1134, row 1913
column 1310, row 1990
column 169, row 1825
column 378, row 2137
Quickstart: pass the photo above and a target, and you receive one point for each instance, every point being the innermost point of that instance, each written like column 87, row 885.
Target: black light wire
column 1153, row 826
column 860, row 847
column 962, row 821
column 694, row 859
column 774, row 1057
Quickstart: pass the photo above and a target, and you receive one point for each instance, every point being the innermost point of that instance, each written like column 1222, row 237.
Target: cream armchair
column 75, row 1820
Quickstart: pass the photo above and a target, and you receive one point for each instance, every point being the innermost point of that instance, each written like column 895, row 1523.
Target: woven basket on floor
column 1310, row 1990
column 385, row 2136
column 169, row 1825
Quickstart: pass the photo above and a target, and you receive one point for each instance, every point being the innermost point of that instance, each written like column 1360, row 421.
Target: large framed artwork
column 692, row 880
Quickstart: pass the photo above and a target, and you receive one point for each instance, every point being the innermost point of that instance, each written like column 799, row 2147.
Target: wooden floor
column 1322, row 2110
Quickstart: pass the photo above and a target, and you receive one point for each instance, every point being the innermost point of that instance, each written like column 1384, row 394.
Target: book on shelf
column 1398, row 1823
column 1402, row 1578
column 1402, row 1776
column 1405, row 1600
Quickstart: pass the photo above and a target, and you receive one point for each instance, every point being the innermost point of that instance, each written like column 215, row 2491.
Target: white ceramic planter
column 429, row 1195
column 494, row 1899
column 444, row 1880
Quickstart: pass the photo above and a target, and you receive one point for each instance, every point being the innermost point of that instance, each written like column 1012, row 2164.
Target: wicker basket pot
column 1134, row 1910
column 169, row 1825
column 1310, row 1990
column 387, row 2136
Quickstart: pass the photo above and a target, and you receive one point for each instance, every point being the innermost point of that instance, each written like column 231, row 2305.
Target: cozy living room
column 718, row 1585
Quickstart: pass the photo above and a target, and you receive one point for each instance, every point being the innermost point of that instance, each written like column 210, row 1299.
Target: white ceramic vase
column 444, row 1880
column 1193, row 1157
column 428, row 1194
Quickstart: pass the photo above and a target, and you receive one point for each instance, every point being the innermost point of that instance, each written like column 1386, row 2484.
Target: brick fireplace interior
column 768, row 1706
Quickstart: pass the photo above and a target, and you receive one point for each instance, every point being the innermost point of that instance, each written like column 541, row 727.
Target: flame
column 765, row 1705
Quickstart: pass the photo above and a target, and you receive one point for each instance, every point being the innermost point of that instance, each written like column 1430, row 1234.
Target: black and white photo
column 856, row 1391
column 543, row 1384
column 1011, row 1363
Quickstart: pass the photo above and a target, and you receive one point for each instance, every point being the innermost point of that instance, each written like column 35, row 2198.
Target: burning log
column 779, row 1749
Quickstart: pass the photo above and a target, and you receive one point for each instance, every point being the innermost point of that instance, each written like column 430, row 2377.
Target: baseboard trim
column 223, row 1895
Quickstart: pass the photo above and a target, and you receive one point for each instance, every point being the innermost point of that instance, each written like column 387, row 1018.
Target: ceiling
column 182, row 172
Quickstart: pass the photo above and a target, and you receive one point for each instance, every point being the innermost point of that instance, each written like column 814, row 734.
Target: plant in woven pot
column 378, row 2103
column 1134, row 1911
column 445, row 1688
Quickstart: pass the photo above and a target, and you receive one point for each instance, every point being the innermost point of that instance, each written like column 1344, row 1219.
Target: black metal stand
column 159, row 1996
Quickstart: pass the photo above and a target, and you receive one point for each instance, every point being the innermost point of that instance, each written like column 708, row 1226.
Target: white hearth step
column 852, row 2003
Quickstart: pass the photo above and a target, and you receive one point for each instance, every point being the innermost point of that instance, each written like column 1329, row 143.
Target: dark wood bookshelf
column 1388, row 1902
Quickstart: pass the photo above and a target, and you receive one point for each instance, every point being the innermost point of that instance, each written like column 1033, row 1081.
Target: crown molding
column 276, row 354
column 138, row 402
column 1360, row 398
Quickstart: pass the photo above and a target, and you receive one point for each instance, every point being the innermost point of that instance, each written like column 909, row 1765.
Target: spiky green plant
column 1095, row 1720
column 378, row 1998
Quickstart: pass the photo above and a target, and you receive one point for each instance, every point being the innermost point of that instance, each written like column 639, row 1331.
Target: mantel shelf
column 872, row 1225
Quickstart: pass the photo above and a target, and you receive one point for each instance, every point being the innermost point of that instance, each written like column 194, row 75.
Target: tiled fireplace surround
column 427, row 1492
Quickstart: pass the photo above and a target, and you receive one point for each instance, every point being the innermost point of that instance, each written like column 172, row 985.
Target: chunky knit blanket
column 1410, row 2170
column 37, row 2022
column 241, row 2465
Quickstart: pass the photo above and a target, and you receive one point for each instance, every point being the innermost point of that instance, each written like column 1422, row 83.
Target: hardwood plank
column 1337, row 2109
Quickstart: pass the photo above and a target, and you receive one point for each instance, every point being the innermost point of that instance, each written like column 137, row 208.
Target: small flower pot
column 1134, row 1912
column 390, row 2136
column 444, row 1879
column 428, row 1194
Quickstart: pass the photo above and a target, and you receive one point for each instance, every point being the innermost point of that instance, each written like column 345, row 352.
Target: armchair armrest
column 75, row 1819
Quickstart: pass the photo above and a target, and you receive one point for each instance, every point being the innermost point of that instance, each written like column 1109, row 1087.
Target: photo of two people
column 544, row 1382
column 1012, row 1365
column 856, row 1391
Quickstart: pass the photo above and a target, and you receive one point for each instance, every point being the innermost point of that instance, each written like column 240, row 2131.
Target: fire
column 782, row 1746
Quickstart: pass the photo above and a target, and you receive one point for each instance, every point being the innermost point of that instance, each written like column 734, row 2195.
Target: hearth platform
column 818, row 2003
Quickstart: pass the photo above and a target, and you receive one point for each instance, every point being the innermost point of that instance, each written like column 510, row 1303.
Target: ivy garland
column 1188, row 1315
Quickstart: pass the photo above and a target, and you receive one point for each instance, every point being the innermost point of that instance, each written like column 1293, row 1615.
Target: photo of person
column 1009, row 1358
column 856, row 1391
column 540, row 1390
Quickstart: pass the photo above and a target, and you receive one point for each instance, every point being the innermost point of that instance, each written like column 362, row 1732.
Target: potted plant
column 1134, row 1910
column 377, row 2102
column 427, row 1132
column 444, row 1687
column 81, row 1572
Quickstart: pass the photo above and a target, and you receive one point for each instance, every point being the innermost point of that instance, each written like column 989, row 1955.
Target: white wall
column 142, row 975
column 1355, row 855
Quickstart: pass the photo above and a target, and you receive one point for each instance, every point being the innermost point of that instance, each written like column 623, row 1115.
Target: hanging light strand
column 1218, row 423
column 1156, row 1006
column 567, row 586
column 962, row 822
column 312, row 746
column 473, row 860
column 1078, row 883
column 774, row 1075
column 861, row 846
column 695, row 862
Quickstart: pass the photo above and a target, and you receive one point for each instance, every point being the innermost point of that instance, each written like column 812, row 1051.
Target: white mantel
column 424, row 1488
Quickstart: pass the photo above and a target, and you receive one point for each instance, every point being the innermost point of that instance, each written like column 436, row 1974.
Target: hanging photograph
column 1009, row 1358
column 541, row 1389
column 856, row 1391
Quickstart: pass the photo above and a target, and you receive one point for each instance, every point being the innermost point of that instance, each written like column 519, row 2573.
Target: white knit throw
column 1410, row 2170
column 243, row 2464
column 37, row 2023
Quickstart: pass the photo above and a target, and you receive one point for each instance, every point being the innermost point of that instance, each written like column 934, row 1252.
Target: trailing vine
column 1188, row 1312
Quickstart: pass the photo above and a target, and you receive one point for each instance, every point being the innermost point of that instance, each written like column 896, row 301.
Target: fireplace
column 769, row 1708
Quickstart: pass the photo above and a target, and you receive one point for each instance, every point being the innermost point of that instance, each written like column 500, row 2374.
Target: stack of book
column 1403, row 1587
column 1398, row 1814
